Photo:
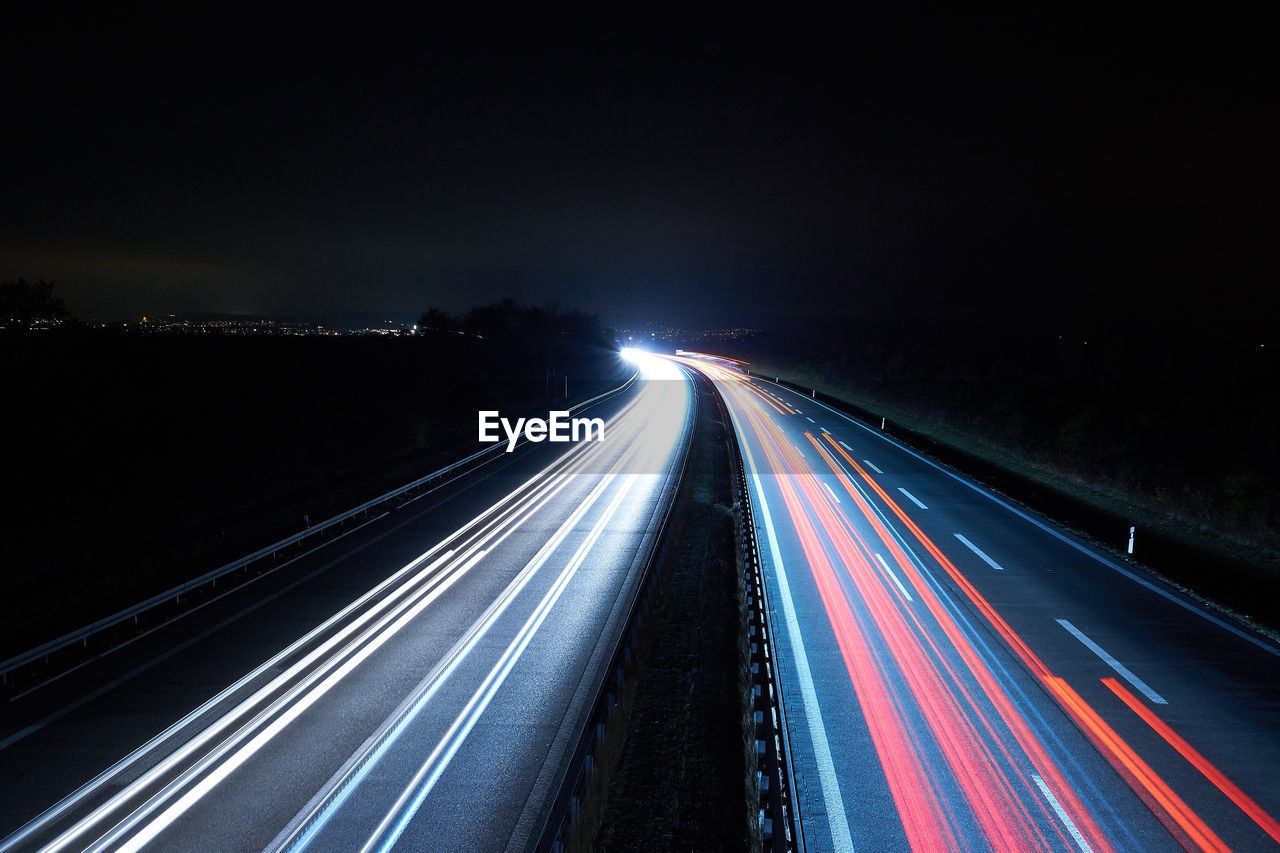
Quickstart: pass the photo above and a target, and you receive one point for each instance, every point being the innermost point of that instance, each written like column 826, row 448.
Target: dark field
column 134, row 463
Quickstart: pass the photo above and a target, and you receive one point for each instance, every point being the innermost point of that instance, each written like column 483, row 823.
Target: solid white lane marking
column 975, row 549
column 1113, row 663
column 809, row 419
column 894, row 577
column 836, row 819
column 833, row 493
column 867, row 461
column 1062, row 815
column 915, row 500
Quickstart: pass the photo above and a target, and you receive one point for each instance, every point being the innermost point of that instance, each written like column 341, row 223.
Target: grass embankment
column 135, row 463
column 1172, row 434
column 682, row 780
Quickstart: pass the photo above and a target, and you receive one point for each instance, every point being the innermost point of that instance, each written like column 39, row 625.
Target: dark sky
column 714, row 168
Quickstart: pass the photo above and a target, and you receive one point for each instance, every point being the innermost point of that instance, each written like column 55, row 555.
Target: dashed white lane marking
column 915, row 500
column 894, row 577
column 1266, row 645
column 833, row 493
column 1062, row 815
column 1113, row 663
column 809, row 419
column 868, row 462
column 975, row 549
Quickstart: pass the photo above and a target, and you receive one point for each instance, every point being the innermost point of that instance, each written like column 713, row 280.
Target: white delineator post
column 1132, row 530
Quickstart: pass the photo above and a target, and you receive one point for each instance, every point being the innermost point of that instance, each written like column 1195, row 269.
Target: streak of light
column 837, row 821
column 415, row 793
column 1175, row 814
column 991, row 778
column 1255, row 812
column 983, row 779
column 407, row 593
column 643, row 442
column 1187, row 824
column 961, row 732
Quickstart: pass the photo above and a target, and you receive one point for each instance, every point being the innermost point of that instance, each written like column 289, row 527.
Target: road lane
column 439, row 704
column 956, row 710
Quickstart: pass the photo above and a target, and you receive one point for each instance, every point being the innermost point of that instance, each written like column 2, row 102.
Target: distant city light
column 232, row 325
column 657, row 332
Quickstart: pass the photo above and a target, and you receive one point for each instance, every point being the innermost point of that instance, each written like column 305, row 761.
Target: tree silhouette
column 435, row 320
column 24, row 305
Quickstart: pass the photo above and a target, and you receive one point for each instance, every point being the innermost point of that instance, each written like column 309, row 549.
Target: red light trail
column 958, row 754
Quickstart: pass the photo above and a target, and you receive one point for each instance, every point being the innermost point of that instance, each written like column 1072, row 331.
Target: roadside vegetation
column 1172, row 432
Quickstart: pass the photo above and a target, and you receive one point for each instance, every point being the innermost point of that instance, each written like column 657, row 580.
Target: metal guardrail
column 174, row 594
column 778, row 832
column 775, row 783
column 778, row 821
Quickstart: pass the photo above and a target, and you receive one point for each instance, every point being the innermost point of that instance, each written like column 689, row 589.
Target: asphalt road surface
column 417, row 684
column 958, row 673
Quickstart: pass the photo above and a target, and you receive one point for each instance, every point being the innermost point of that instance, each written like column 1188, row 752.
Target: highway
column 416, row 685
column 958, row 673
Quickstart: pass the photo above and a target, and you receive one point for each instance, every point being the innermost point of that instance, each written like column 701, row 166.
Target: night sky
column 703, row 169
